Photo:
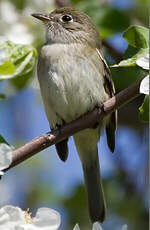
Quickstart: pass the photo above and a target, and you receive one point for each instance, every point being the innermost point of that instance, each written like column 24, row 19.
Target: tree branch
column 86, row 121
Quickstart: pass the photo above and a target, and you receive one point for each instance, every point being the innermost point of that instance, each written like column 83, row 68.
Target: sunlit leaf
column 133, row 60
column 6, row 69
column 19, row 60
column 137, row 46
column 137, row 36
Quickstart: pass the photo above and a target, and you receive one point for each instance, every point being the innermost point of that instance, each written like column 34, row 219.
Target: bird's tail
column 92, row 179
column 94, row 190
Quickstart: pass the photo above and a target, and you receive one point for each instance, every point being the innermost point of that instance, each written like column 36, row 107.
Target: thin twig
column 86, row 121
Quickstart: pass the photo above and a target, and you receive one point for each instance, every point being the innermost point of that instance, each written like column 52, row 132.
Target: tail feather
column 62, row 149
column 86, row 144
column 111, row 130
column 94, row 190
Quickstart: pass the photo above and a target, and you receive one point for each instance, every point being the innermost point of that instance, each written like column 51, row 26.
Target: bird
column 74, row 78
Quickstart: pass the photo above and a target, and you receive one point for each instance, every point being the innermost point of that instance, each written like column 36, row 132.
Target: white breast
column 70, row 85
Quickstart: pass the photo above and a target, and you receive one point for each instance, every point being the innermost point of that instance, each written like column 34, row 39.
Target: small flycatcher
column 74, row 78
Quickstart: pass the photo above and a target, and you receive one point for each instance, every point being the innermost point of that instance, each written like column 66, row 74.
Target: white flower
column 96, row 226
column 19, row 33
column 144, row 86
column 143, row 62
column 8, row 12
column 5, row 157
column 13, row 218
column 124, row 227
column 76, row 227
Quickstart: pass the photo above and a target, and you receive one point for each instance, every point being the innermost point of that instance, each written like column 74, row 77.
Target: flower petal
column 97, row 226
column 76, row 227
column 144, row 86
column 10, row 217
column 5, row 156
column 143, row 62
column 124, row 227
column 2, row 56
column 47, row 219
column 13, row 218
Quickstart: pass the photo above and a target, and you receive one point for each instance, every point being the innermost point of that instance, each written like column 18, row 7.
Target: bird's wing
column 111, row 125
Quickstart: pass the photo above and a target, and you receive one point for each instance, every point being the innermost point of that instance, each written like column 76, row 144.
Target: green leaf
column 20, row 5
column 144, row 110
column 2, row 140
column 137, row 36
column 109, row 22
column 141, row 11
column 2, row 96
column 124, row 77
column 7, row 68
column 20, row 82
column 132, row 61
column 19, row 60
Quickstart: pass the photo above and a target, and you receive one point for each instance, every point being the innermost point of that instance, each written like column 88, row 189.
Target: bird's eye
column 67, row 18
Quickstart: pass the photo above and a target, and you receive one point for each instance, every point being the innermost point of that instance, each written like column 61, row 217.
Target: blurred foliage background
column 46, row 181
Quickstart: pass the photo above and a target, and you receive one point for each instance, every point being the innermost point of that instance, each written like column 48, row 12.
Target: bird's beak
column 42, row 17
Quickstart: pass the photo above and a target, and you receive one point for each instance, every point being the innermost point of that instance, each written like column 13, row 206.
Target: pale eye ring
column 66, row 18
